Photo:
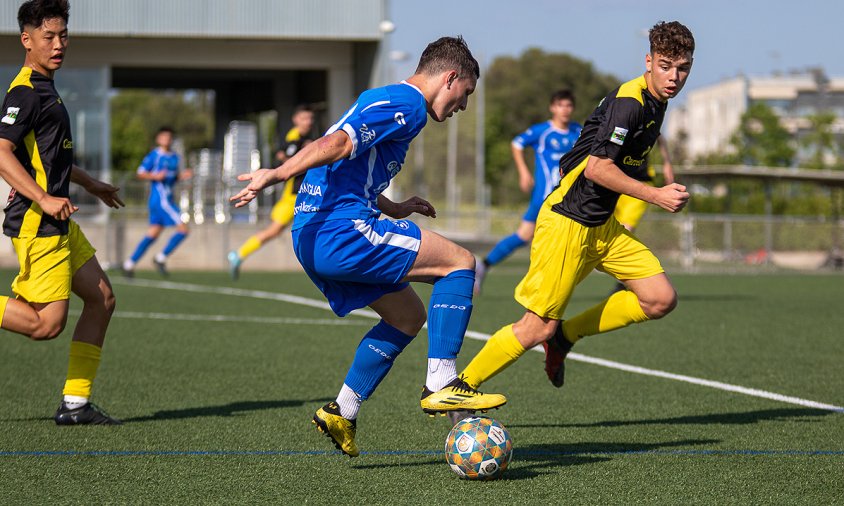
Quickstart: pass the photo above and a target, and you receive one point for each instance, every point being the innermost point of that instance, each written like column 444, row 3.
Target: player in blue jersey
column 161, row 168
column 358, row 260
column 550, row 140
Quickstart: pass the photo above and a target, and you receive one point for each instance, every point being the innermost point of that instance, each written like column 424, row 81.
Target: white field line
column 258, row 294
column 232, row 318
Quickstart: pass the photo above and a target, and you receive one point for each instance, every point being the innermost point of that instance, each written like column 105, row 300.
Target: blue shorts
column 165, row 213
column 355, row 262
column 532, row 212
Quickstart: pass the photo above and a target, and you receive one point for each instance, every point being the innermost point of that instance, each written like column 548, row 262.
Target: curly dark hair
column 34, row 12
column 671, row 39
column 448, row 53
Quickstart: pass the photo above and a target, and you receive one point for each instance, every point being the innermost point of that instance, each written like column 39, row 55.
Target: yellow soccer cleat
column 459, row 396
column 340, row 430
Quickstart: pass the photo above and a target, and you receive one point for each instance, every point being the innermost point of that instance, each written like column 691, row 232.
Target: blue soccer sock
column 448, row 313
column 504, row 249
column 174, row 242
column 142, row 248
column 374, row 357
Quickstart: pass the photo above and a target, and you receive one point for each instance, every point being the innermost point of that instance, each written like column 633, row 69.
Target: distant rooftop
column 218, row 19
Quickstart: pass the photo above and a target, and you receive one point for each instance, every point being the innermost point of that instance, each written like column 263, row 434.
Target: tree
column 761, row 139
column 821, row 142
column 517, row 95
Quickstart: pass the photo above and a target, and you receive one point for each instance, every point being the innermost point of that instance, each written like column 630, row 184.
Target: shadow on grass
column 536, row 459
column 232, row 409
column 745, row 418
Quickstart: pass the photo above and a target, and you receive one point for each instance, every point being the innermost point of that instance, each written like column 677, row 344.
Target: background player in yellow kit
column 282, row 212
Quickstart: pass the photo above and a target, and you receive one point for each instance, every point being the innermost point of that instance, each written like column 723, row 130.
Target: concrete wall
column 204, row 249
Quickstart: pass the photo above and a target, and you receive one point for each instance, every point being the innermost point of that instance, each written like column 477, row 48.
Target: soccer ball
column 478, row 448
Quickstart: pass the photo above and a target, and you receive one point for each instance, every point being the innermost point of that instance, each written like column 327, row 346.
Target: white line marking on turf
column 231, row 318
column 258, row 294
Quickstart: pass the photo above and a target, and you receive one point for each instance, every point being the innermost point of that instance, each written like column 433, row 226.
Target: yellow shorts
column 564, row 252
column 282, row 212
column 629, row 210
column 47, row 264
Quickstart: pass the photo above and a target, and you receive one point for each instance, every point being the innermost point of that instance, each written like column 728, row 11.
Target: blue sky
column 751, row 37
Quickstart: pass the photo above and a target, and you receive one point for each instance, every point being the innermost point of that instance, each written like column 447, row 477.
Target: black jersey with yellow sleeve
column 36, row 121
column 624, row 128
column 293, row 142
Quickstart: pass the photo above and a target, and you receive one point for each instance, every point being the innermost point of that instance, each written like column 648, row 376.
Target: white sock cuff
column 441, row 372
column 349, row 402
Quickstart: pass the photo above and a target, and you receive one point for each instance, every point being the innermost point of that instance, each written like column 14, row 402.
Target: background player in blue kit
column 550, row 140
column 358, row 260
column 161, row 168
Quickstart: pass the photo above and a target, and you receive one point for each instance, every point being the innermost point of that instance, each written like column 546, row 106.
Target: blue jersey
column 549, row 144
column 381, row 125
column 155, row 162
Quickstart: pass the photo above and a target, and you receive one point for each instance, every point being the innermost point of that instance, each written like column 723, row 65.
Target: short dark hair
column 448, row 53
column 671, row 39
column 562, row 95
column 167, row 129
column 34, row 12
column 302, row 108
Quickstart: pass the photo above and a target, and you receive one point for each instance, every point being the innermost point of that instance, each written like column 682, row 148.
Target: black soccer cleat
column 89, row 414
column 162, row 268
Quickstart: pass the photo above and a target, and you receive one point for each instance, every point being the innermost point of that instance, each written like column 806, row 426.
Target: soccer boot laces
column 459, row 396
column 340, row 430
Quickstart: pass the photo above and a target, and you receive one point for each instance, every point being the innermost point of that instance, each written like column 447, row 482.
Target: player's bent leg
column 37, row 321
column 656, row 295
column 451, row 269
column 503, row 249
column 91, row 284
column 438, row 257
column 526, row 230
column 273, row 230
column 403, row 315
column 533, row 329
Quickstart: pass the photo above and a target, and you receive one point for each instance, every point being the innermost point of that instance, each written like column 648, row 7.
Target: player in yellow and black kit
column 36, row 159
column 576, row 231
column 282, row 212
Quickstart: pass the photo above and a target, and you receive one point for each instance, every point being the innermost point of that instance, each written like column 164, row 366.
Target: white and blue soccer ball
column 478, row 448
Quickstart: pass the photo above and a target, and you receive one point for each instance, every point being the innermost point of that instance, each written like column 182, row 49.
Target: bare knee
column 660, row 305
column 532, row 331
column 102, row 300
column 464, row 260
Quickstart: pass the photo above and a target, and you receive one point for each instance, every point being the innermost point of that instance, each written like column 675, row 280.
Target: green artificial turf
column 217, row 391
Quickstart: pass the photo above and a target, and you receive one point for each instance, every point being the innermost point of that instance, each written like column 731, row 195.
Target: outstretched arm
column 102, row 190
column 323, row 151
column 671, row 197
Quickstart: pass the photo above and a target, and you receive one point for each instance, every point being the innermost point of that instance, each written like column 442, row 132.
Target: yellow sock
column 81, row 369
column 498, row 353
column 251, row 245
column 619, row 310
column 3, row 301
